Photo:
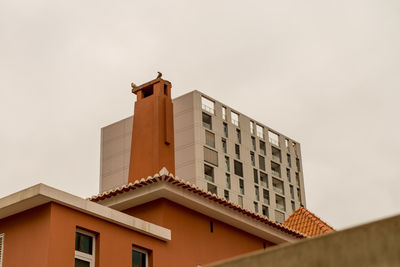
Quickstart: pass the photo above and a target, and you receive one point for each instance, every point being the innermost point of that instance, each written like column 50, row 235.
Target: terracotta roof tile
column 307, row 223
column 164, row 176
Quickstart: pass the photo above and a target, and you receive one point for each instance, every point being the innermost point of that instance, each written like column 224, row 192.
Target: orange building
column 155, row 221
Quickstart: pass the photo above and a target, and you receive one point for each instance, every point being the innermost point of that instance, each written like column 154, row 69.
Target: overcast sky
column 325, row 73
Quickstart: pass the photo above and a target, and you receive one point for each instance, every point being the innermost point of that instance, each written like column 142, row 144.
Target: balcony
column 276, row 158
column 276, row 173
column 207, row 108
column 274, row 142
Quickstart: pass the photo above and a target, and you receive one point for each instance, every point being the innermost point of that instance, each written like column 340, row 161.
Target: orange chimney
column 152, row 144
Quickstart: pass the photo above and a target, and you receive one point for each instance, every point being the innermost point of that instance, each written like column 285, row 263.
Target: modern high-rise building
column 222, row 151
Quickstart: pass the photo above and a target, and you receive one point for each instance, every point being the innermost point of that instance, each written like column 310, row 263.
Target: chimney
column 152, row 146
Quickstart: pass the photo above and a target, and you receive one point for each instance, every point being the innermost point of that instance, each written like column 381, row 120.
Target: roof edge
column 41, row 194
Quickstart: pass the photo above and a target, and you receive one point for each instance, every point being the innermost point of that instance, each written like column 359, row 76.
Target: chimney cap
column 150, row 83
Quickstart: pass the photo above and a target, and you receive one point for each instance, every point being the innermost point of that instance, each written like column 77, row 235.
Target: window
column 227, row 165
column 226, row 194
column 260, row 131
column 210, row 139
column 252, row 159
column 207, row 105
column 257, row 192
column 237, row 151
column 287, row 143
column 288, row 175
column 255, row 174
column 276, row 154
column 273, row 138
column 261, row 162
column 240, row 200
column 265, row 211
column 299, row 195
column 211, row 188
column 266, row 196
column 253, row 143
column 84, row 248
column 275, row 169
column 280, row 202
column 209, row 173
column 278, row 186
column 294, row 147
column 291, row 191
column 263, row 148
column 223, row 141
column 293, row 206
column 289, row 160
column 139, row 257
column 228, row 180
column 235, row 118
column 279, row 216
column 297, row 178
column 207, row 121
column 210, row 156
column 238, row 168
column 251, row 127
column 298, row 164
column 224, row 113
column 264, row 179
column 238, row 136
column 255, row 207
column 241, row 186
column 1, row 249
column 225, row 126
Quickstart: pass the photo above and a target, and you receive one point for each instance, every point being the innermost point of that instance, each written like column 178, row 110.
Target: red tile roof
column 307, row 223
column 169, row 178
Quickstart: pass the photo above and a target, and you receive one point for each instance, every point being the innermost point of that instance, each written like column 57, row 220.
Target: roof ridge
column 307, row 222
column 164, row 175
column 317, row 219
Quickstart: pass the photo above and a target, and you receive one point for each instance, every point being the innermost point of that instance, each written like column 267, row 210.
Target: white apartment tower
column 220, row 150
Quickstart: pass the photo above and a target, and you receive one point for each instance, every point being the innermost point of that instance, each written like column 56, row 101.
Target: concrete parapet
column 372, row 244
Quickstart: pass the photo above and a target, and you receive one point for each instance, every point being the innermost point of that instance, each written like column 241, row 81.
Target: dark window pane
column 81, row 263
column 83, row 243
column 138, row 259
column 238, row 168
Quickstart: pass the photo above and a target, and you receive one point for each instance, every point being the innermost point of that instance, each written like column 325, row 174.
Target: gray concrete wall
column 374, row 244
column 245, row 147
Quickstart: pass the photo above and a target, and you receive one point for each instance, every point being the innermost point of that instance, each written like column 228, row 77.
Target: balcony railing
column 276, row 173
column 280, row 207
column 276, row 158
column 208, row 109
column 274, row 142
column 278, row 189
column 209, row 178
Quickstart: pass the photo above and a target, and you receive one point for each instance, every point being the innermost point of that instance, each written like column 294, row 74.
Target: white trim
column 184, row 197
column 41, row 194
column 84, row 256
column 2, row 249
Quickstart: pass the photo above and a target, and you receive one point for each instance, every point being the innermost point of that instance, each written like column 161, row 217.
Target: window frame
column 145, row 252
column 85, row 256
column 2, row 248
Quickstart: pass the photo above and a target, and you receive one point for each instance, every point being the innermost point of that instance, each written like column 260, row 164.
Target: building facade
column 222, row 151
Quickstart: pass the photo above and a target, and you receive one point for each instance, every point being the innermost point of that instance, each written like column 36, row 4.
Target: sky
column 325, row 73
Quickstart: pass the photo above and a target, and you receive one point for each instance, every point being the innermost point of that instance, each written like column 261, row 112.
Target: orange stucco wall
column 45, row 237
column 26, row 241
column 192, row 241
column 152, row 146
